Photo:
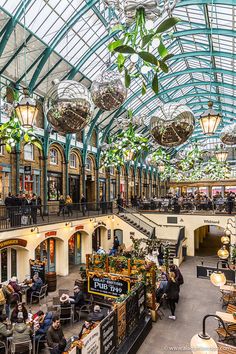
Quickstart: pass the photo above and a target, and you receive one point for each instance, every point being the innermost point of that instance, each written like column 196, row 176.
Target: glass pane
column 13, row 262
column 4, row 265
column 52, row 258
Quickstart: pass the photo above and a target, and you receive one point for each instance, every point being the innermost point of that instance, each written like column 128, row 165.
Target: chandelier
column 210, row 120
column 153, row 8
column 26, row 110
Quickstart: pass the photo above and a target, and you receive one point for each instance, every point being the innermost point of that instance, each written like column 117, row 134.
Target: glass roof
column 46, row 39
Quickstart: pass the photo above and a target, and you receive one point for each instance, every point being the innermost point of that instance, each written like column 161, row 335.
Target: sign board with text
column 108, row 286
column 91, row 343
column 108, row 334
column 205, row 272
column 37, row 267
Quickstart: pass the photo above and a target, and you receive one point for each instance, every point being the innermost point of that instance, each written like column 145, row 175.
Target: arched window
column 53, row 156
column 88, row 164
column 28, row 152
column 73, row 160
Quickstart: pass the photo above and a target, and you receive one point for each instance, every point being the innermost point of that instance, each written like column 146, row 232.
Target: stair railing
column 138, row 222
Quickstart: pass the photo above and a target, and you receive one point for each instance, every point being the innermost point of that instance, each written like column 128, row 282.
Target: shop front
column 5, row 182
column 96, row 239
column 29, row 180
column 75, row 249
column 54, row 186
column 9, row 259
column 74, row 188
column 46, row 252
column 113, row 190
column 102, row 189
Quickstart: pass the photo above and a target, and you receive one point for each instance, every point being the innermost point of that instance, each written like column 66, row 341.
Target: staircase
column 140, row 225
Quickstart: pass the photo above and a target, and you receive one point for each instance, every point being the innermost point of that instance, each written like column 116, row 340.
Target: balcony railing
column 30, row 215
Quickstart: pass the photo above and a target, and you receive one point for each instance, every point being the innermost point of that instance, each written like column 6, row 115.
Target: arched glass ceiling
column 50, row 39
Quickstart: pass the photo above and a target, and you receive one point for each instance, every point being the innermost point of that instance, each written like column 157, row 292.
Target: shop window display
column 54, row 186
column 46, row 252
column 74, row 245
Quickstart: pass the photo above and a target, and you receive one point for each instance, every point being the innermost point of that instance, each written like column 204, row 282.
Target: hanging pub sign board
column 91, row 343
column 27, row 170
column 205, row 273
column 37, row 267
column 108, row 334
column 107, row 285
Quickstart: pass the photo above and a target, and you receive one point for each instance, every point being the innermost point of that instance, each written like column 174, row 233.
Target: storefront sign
column 79, row 227
column 13, row 242
column 106, row 286
column 37, row 267
column 91, row 343
column 27, row 170
column 109, row 234
column 205, row 272
column 211, row 221
column 50, row 233
column 107, row 333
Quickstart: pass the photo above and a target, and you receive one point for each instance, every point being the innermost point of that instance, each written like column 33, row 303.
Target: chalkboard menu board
column 141, row 291
column 107, row 286
column 121, row 322
column 107, row 334
column 37, row 267
column 132, row 312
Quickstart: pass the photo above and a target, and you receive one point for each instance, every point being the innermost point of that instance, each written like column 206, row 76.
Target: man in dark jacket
column 45, row 321
column 97, row 314
column 77, row 300
column 55, row 337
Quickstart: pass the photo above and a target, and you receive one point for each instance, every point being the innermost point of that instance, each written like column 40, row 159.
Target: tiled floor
column 198, row 297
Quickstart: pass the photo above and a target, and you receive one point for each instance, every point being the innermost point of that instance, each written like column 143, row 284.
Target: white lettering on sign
column 209, row 272
column 211, row 221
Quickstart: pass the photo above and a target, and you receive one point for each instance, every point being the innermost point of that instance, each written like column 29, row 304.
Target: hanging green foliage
column 134, row 51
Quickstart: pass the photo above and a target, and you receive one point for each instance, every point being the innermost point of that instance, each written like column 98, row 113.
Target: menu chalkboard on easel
column 37, row 267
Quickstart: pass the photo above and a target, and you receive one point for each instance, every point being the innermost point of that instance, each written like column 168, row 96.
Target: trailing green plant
column 12, row 132
column 125, row 146
column 134, row 50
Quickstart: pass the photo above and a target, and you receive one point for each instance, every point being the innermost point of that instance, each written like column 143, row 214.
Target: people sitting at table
column 65, row 307
column 78, row 300
column 16, row 296
column 96, row 315
column 55, row 337
column 22, row 332
column 4, row 331
column 36, row 286
column 19, row 308
column 86, row 329
column 101, row 251
column 44, row 321
column 172, row 292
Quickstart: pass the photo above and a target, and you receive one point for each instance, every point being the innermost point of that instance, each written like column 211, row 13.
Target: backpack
column 2, row 298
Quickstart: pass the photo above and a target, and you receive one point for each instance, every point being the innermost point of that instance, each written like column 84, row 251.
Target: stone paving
column 198, row 297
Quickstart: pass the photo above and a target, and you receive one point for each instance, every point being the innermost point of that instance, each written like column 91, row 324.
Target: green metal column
column 118, row 182
column 45, row 184
column 140, row 183
column 97, row 185
column 108, row 175
column 83, row 181
column 17, row 168
column 67, row 177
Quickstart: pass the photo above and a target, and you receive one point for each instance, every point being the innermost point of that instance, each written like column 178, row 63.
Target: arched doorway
column 207, row 240
column 75, row 249
column 46, row 252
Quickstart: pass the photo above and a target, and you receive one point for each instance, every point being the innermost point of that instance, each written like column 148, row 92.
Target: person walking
column 83, row 204
column 61, row 206
column 172, row 292
column 68, row 205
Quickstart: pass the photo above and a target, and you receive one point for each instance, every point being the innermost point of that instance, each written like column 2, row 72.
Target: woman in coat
column 172, row 293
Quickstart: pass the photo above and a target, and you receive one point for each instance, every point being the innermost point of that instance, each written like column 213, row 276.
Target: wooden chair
column 226, row 348
column 231, row 308
column 39, row 294
column 229, row 298
column 227, row 334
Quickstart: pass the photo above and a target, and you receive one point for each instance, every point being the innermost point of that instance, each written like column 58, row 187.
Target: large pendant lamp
column 210, row 120
column 221, row 154
column 26, row 110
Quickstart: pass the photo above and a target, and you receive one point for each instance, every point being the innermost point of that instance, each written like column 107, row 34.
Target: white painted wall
column 191, row 223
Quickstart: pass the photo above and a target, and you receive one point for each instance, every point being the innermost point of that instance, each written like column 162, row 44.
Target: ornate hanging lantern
column 68, row 106
column 221, row 155
column 225, row 240
column 108, row 91
column 26, row 110
column 210, row 120
column 223, row 253
column 172, row 125
column 228, row 135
